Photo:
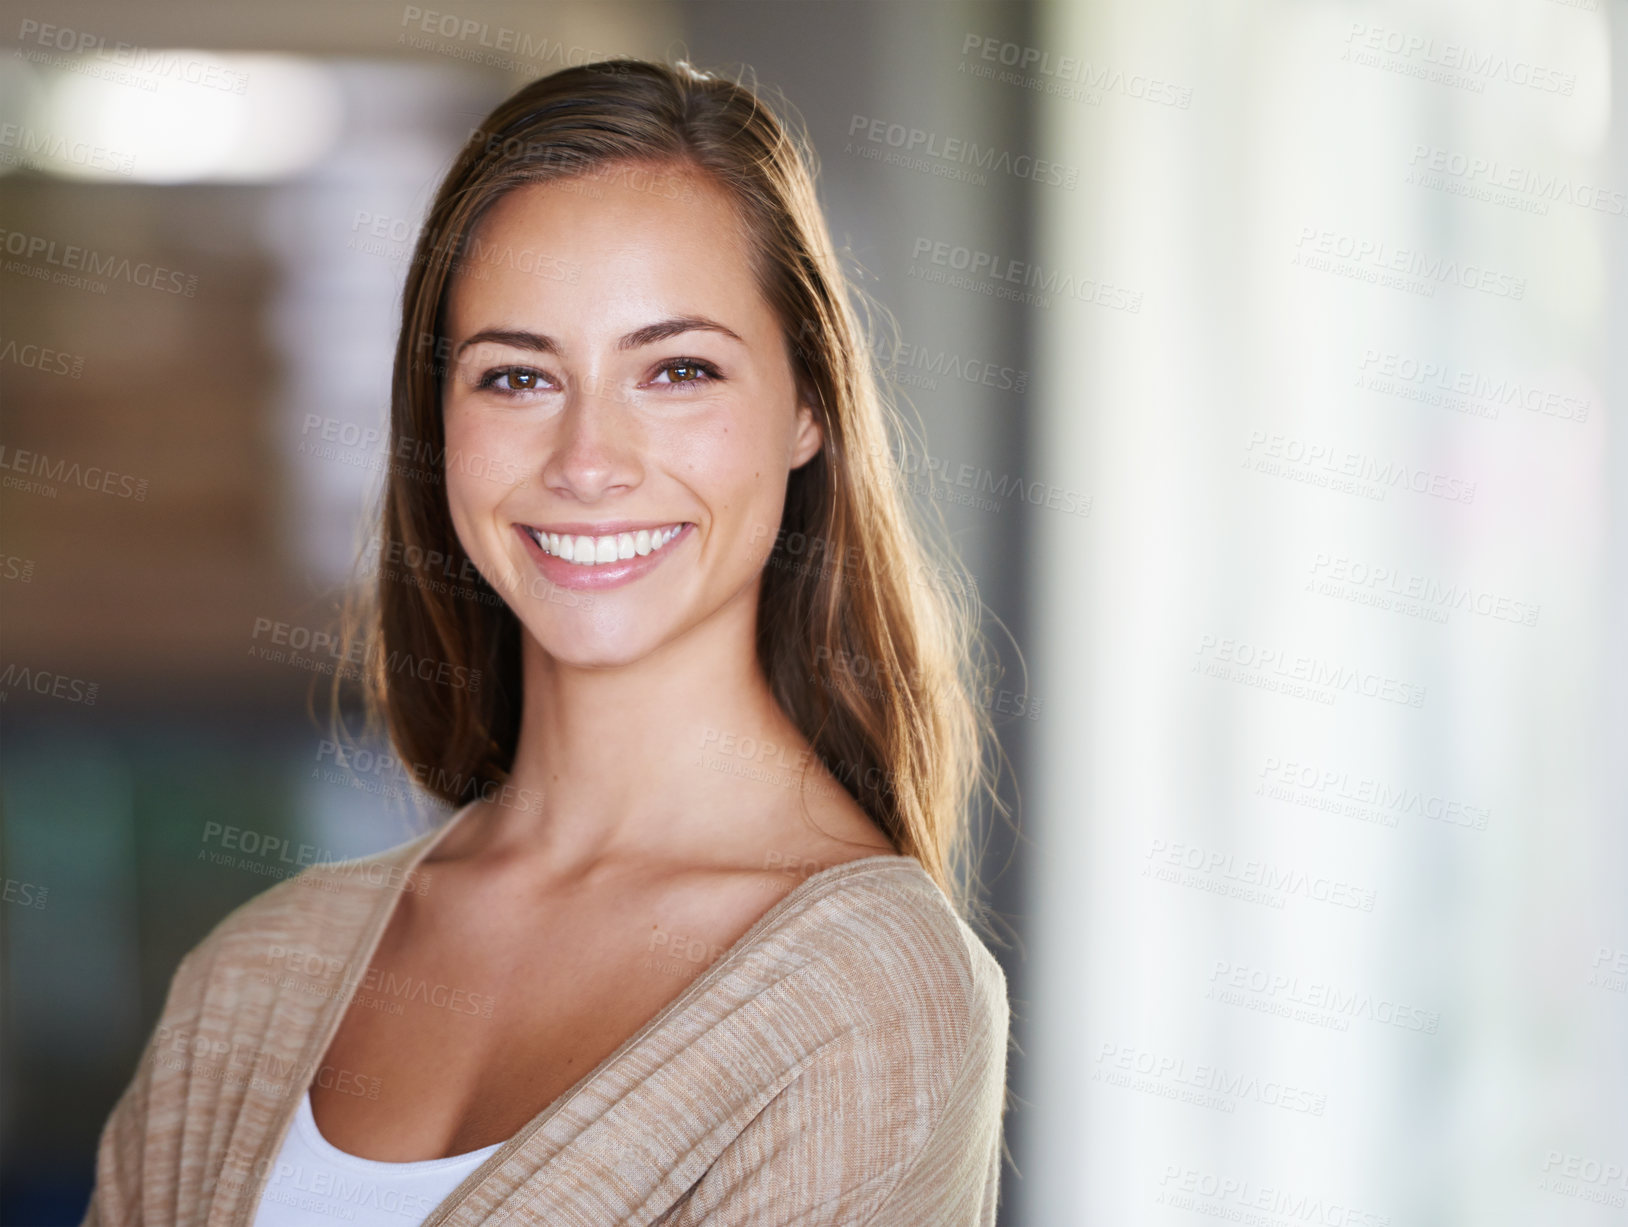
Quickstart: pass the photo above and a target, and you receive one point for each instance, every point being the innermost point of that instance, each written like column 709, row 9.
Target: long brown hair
column 867, row 634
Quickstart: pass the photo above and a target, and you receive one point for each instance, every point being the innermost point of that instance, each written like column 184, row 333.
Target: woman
column 688, row 952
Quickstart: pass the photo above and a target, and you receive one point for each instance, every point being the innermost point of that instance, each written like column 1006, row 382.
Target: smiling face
column 620, row 391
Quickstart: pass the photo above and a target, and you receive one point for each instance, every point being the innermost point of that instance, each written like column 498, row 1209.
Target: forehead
column 610, row 250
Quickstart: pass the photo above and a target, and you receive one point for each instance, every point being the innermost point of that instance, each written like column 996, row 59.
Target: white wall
column 1418, row 1021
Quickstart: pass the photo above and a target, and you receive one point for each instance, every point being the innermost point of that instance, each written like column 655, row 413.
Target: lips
column 601, row 556
column 589, row 550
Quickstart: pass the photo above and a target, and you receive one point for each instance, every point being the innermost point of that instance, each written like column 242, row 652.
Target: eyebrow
column 541, row 343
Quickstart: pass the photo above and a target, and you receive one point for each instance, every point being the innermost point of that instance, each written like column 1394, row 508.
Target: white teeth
column 590, row 551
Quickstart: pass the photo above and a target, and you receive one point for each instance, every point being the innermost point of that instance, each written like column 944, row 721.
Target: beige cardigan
column 844, row 1062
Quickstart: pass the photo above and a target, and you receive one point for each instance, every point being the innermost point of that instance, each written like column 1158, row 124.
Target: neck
column 613, row 761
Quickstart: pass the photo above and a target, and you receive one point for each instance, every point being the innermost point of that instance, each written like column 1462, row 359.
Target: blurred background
column 1268, row 355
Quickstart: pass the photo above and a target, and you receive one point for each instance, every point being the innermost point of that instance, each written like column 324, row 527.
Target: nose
column 595, row 448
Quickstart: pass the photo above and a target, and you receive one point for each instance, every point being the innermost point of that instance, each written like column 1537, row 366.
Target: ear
column 808, row 437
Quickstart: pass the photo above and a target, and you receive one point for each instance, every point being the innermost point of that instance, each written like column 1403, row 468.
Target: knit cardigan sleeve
column 846, row 1065
column 896, row 1123
column 115, row 1199
column 134, row 1134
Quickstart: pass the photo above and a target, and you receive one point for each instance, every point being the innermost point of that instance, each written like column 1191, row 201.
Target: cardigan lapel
column 621, row 1145
column 624, row 1144
column 289, row 976
column 627, row 1141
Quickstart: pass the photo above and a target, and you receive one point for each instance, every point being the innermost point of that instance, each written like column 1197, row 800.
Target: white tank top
column 314, row 1183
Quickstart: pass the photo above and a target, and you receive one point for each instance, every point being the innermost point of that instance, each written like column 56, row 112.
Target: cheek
column 466, row 432
column 735, row 465
column 748, row 510
column 739, row 448
column 478, row 472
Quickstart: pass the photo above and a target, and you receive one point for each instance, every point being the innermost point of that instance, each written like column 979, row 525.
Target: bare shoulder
column 828, row 827
column 887, row 922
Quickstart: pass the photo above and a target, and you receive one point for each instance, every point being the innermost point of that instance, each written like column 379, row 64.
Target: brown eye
column 512, row 379
column 686, row 370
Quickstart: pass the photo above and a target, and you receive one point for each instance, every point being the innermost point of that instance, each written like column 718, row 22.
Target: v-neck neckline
column 362, row 956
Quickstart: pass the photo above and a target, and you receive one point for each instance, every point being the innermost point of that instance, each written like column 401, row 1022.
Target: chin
column 603, row 643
